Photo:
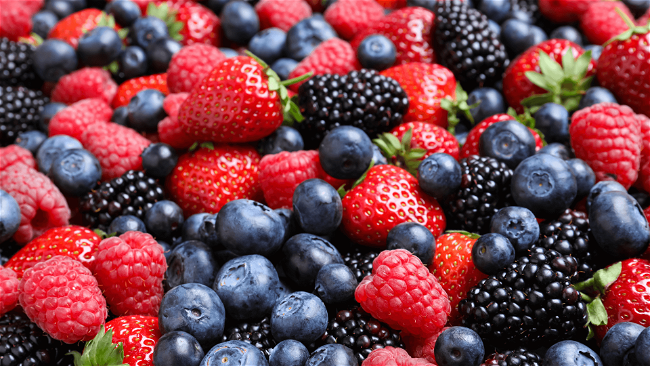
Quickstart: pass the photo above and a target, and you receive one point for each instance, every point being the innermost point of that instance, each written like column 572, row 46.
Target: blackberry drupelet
column 134, row 193
column 484, row 189
column 530, row 302
column 363, row 99
column 20, row 111
column 16, row 65
column 467, row 46
column 360, row 262
column 520, row 357
column 258, row 334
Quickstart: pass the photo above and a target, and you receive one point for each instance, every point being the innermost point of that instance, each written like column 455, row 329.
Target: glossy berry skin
column 31, row 140
column 332, row 354
column 52, row 148
column 146, row 110
column 553, row 120
column 642, row 347
column 585, row 176
column 556, row 149
column 120, row 116
column 492, row 252
column 158, row 160
column 300, row 316
column 125, row 12
column 427, row 136
column 160, row 53
column 99, row 47
column 43, row 21
column 595, row 95
column 133, row 62
column 518, row 36
column 289, row 353
column 124, row 223
column 75, row 172
column 282, row 14
column 376, row 52
column 268, row 44
column 571, row 353
column 234, row 353
column 53, row 59
column 335, row 283
column 283, row 67
column 490, row 103
column 239, row 22
column 201, row 227
column 508, row 141
column 138, row 334
column 60, row 8
column 345, row 152
column 602, row 187
column 518, row 225
column 413, row 237
column 164, row 220
column 317, row 207
column 177, row 348
column 497, row 10
column 131, row 87
column 567, row 32
column 439, row 175
column 147, row 29
column 305, row 255
column 458, row 346
column 619, row 340
column 190, row 262
column 8, row 290
column 49, row 110
column 285, row 138
column 9, row 216
column 306, row 35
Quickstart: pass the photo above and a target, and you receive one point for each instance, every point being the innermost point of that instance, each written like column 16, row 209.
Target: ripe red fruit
column 200, row 24
column 72, row 27
column 131, row 87
column 393, row 356
column 282, row 14
column 139, row 335
column 471, row 146
column 15, row 20
column 190, row 65
column 563, row 11
column 422, row 347
column 281, row 173
column 430, row 137
column 600, row 21
column 334, row 56
column 89, row 82
column 74, row 120
column 349, row 17
column 16, row 155
column 8, row 290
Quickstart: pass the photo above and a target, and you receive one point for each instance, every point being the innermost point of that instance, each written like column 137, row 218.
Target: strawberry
column 131, row 87
column 89, row 82
column 200, row 24
column 643, row 182
column 563, row 11
column 190, row 65
column 600, row 21
column 138, row 335
column 169, row 130
column 282, row 14
column 349, row 17
column 72, row 27
column 429, row 137
column 392, row 4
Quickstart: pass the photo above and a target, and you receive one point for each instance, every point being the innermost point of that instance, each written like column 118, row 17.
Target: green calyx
column 204, row 145
column 35, row 40
column 342, row 191
column 465, row 233
column 565, row 84
column 101, row 351
column 103, row 235
column 400, row 153
column 633, row 29
column 453, row 107
column 527, row 120
column 167, row 15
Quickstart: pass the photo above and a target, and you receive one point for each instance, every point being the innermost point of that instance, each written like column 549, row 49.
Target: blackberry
column 484, row 189
column 23, row 343
column 466, row 45
column 16, row 65
column 364, row 99
column 520, row 357
column 529, row 302
column 360, row 262
column 258, row 334
column 134, row 193
column 20, row 111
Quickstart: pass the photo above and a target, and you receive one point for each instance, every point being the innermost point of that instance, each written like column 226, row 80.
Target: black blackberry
column 357, row 330
column 258, row 334
column 20, row 111
column 16, row 65
column 131, row 194
column 529, row 302
column 519, row 357
column 360, row 262
column 23, row 343
column 466, row 45
column 364, row 99
column 484, row 189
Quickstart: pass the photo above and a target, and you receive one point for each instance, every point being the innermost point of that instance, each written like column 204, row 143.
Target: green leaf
column 392, row 140
column 606, row 276
column 466, row 233
column 568, row 62
column 582, row 65
column 416, row 153
column 537, row 79
column 596, row 312
column 591, row 333
column 274, row 84
column 550, row 68
column 385, row 150
column 341, row 191
column 101, row 233
column 447, row 104
column 101, row 351
column 585, row 285
column 194, row 146
column 571, row 104
column 537, row 100
column 406, row 139
column 584, row 84
column 295, row 112
column 298, row 79
column 207, row 145
column 122, row 33
column 113, row 67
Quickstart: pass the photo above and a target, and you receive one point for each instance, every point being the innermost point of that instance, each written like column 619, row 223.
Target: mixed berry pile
column 324, row 182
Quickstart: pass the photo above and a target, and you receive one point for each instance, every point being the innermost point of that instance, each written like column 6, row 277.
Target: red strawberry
column 643, row 181
column 282, row 14
column 600, row 21
column 131, row 87
column 200, row 24
column 8, row 290
column 138, row 335
column 89, row 82
column 75, row 119
column 16, row 155
column 426, row 136
column 169, row 130
column 72, row 27
column 206, row 179
column 15, row 20
column 392, row 4
column 349, row 17
column 190, row 65
column 281, row 173
column 563, row 11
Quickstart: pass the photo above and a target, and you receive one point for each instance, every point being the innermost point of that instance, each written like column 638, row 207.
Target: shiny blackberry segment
column 16, row 66
column 363, row 99
column 258, row 334
column 360, row 262
column 134, row 193
column 20, row 110
column 520, row 357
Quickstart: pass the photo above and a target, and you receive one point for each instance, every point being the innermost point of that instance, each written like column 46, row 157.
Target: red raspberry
column 89, row 82
column 349, row 17
column 391, row 356
column 75, row 119
column 170, row 131
column 8, row 290
column 139, row 335
column 130, row 270
column 402, row 293
column 422, row 347
column 42, row 206
column 334, row 56
column 117, row 148
column 430, row 137
column 282, row 14
column 62, row 297
column 607, row 136
column 643, row 181
column 15, row 20
column 281, row 173
column 190, row 65
column 172, row 103
column 600, row 22
column 16, row 155
column 471, row 146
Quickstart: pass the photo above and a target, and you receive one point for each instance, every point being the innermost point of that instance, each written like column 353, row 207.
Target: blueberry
column 553, row 120
column 99, row 47
column 459, row 346
column 249, row 227
column 619, row 225
column 287, row 220
column 567, row 32
column 332, row 355
column 602, row 187
column 345, row 152
column 306, row 35
column 285, row 138
column 490, row 103
column 167, row 249
column 53, row 147
column 228, row 52
column 289, row 353
column 78, row 5
column 248, row 287
column 637, row 8
column 284, row 289
column 507, row 141
column 31, row 140
column 518, row 225
column 191, row 262
column 461, row 136
column 413, row 237
column 556, row 149
column 216, row 5
column 268, row 44
column 596, row 51
column 376, row 52
column 75, row 172
column 335, row 283
column 494, row 27
column 49, row 110
column 427, row 4
column 545, row 185
column 239, row 21
column 159, row 159
column 571, row 353
column 133, row 62
column 492, row 252
column 518, row 36
column 177, row 348
column 43, row 21
column 521, row 15
column 164, row 219
column 53, row 59
column 121, row 115
column 300, row 316
column 317, row 207
column 643, row 348
column 124, row 223
column 160, row 52
column 305, row 255
column 496, row 10
column 595, row 95
column 146, row 30
column 585, row 176
column 125, row 12
column 201, row 227
column 61, row 8
column 146, row 110
column 234, row 353
column 618, row 341
column 9, row 216
column 439, row 175
column 377, row 157
column 193, row 308
column 283, row 67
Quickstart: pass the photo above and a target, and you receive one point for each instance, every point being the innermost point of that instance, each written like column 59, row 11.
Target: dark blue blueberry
column 492, row 252
column 427, row 4
column 9, row 216
column 53, row 147
column 545, row 185
column 160, row 53
column 167, row 249
column 332, row 355
column 345, row 152
column 585, row 176
column 556, row 149
column 289, row 353
column 567, row 32
column 637, row 8
column 643, row 348
column 228, row 52
column 300, row 316
column 306, row 35
column 53, row 59
column 125, row 12
column 317, row 207
column 507, row 141
column 158, row 160
column 191, row 262
column 78, row 5
column 216, row 5
column 553, row 120
column 285, row 138
column 518, row 225
column 61, row 8
column 619, row 225
column 377, row 157
column 31, row 140
column 287, row 220
column 459, row 346
column 43, row 21
column 268, row 44
column 595, row 95
column 619, row 340
column 122, row 224
column 177, row 348
column 494, row 27
column 439, row 175
column 335, row 283
column 413, row 237
column 496, row 10
column 305, row 255
column 234, row 353
column 133, row 62
column 249, row 227
column 596, row 51
column 284, row 289
column 522, row 15
column 376, row 52
column 201, row 227
column 491, row 103
column 121, row 115
column 49, row 110
column 99, row 47
column 602, row 187
column 571, row 353
column 193, row 308
column 146, row 30
column 146, row 110
column 239, row 22
column 164, row 220
column 283, row 67
column 461, row 136
column 248, row 287
column 518, row 36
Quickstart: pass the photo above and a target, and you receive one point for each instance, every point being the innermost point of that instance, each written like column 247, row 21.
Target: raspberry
column 8, row 290
column 391, row 356
column 131, row 87
column 130, row 270
column 334, row 56
column 16, row 155
column 281, row 173
column 282, row 14
column 15, row 20
column 172, row 103
column 190, row 65
column 170, row 131
column 402, row 293
column 75, row 119
column 42, row 206
column 62, row 297
column 644, row 172
column 422, row 347
column 89, row 82
column 349, row 17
